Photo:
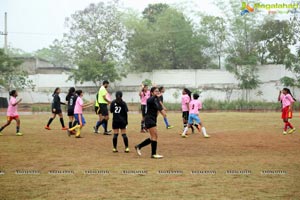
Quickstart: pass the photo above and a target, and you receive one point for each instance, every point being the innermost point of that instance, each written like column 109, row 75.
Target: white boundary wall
column 212, row 83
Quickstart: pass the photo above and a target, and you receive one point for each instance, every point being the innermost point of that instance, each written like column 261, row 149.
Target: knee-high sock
column 18, row 129
column 166, row 121
column 70, row 124
column 50, row 121
column 104, row 121
column 153, row 147
column 98, row 124
column 74, row 127
column 125, row 139
column 290, row 125
column 62, row 122
column 115, row 140
column 142, row 125
column 185, row 130
column 144, row 143
column 204, row 131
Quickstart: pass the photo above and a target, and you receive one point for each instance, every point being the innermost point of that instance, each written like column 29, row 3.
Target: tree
column 12, row 77
column 215, row 28
column 96, row 35
column 153, row 10
column 169, row 42
column 55, row 54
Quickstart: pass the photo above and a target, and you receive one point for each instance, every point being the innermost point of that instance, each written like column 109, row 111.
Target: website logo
column 246, row 8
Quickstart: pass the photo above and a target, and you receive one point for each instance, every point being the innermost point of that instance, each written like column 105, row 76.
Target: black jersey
column 56, row 102
column 161, row 98
column 71, row 101
column 153, row 106
column 119, row 110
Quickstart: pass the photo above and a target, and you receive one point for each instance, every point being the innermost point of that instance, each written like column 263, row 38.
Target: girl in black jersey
column 56, row 110
column 153, row 106
column 120, row 120
column 71, row 99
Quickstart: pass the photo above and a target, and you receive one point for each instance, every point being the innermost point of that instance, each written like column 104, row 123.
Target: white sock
column 204, row 131
column 185, row 130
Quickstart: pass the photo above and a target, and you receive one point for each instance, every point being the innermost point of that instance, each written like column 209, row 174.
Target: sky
column 35, row 24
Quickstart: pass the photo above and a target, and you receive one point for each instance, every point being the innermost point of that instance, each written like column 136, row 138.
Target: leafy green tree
column 292, row 63
column 96, row 37
column 153, row 10
column 12, row 77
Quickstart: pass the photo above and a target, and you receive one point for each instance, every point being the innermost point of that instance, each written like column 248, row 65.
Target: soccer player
column 103, row 100
column 78, row 114
column 144, row 96
column 153, row 106
column 164, row 111
column 56, row 110
column 194, row 107
column 287, row 101
column 12, row 112
column 120, row 120
column 185, row 100
column 71, row 99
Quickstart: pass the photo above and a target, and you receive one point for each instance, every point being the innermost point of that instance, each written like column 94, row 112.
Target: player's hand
column 53, row 109
column 20, row 100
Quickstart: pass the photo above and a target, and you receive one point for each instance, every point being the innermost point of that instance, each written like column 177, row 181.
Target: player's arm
column 279, row 96
column 141, row 91
column 163, row 106
column 111, row 108
column 17, row 102
column 88, row 104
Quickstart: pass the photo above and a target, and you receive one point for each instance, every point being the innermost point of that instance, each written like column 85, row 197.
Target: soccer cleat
column 64, row 128
column 95, row 130
column 292, row 131
column 19, row 134
column 115, row 150
column 127, row 150
column 138, row 150
column 207, row 136
column 284, row 133
column 156, row 156
column 169, row 127
column 47, row 127
column 184, row 136
column 107, row 132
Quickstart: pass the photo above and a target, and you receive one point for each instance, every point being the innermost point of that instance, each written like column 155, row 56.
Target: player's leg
column 61, row 119
column 164, row 114
column 50, row 121
column 154, row 136
column 201, row 127
column 190, row 124
column 5, row 125
column 18, row 126
column 125, row 139
column 115, row 139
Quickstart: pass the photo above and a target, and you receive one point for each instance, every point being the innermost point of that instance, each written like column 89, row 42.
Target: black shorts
column 57, row 111
column 143, row 109
column 185, row 115
column 71, row 112
column 103, row 109
column 118, row 125
column 97, row 110
column 150, row 122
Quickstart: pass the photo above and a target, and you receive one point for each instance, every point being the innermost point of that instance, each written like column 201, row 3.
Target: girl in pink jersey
column 185, row 100
column 194, row 107
column 12, row 112
column 287, row 100
column 144, row 96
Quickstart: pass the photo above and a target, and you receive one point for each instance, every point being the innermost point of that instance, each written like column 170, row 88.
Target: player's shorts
column 10, row 118
column 118, row 125
column 103, row 109
column 97, row 110
column 143, row 109
column 70, row 112
column 57, row 111
column 150, row 122
column 185, row 115
column 80, row 119
column 286, row 113
column 194, row 118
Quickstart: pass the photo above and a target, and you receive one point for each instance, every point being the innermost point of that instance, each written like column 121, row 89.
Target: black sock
column 18, row 129
column 115, row 140
column 144, row 143
column 153, row 147
column 142, row 125
column 50, row 121
column 192, row 128
column 98, row 124
column 104, row 121
column 125, row 139
column 75, row 123
column 62, row 122
column 1, row 129
column 70, row 125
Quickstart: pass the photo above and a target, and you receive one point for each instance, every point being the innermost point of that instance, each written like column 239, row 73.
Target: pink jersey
column 185, row 100
column 78, row 106
column 286, row 100
column 12, row 111
column 195, row 106
column 144, row 97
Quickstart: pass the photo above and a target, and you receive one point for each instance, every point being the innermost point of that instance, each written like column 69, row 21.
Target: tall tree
column 96, row 34
column 153, row 11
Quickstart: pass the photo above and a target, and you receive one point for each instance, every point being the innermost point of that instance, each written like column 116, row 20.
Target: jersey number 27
column 118, row 109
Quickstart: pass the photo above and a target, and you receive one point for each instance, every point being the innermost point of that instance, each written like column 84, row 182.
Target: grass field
column 245, row 143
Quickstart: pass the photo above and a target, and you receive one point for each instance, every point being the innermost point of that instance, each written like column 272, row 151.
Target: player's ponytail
column 55, row 91
column 288, row 91
column 119, row 95
column 70, row 93
column 12, row 93
column 188, row 92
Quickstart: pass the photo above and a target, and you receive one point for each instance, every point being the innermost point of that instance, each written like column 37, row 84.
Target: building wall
column 212, row 84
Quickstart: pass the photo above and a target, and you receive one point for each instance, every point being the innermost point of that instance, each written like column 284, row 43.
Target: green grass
column 239, row 141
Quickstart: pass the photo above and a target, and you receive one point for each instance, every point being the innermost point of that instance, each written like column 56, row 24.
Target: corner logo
column 246, row 8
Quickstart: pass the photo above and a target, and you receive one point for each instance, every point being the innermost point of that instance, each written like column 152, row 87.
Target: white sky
column 34, row 24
